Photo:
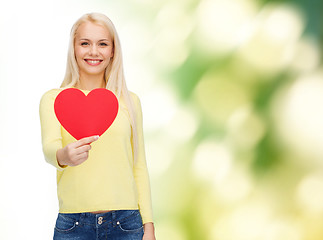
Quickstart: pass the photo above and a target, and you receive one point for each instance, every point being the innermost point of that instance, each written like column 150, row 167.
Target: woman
column 102, row 182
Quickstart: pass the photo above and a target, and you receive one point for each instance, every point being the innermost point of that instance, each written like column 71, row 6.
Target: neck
column 90, row 82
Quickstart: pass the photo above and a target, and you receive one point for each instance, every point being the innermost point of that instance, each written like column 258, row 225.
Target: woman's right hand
column 75, row 153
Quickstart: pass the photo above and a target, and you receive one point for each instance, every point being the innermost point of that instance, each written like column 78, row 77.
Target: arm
column 50, row 128
column 142, row 176
column 72, row 154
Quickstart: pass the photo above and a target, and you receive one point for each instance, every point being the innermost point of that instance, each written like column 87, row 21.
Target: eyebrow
column 101, row 40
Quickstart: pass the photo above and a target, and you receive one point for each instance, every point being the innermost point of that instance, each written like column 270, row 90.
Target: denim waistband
column 100, row 218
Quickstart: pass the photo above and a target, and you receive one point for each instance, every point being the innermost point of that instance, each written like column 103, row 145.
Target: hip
column 118, row 224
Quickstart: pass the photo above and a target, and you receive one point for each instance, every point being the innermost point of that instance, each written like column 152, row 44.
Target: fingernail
column 97, row 137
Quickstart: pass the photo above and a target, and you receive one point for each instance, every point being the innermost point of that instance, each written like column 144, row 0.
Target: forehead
column 93, row 31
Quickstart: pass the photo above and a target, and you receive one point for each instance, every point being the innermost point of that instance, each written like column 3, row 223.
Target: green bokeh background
column 243, row 145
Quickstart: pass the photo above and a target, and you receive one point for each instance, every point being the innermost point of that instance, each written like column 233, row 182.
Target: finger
column 82, row 157
column 86, row 140
column 82, row 149
column 79, row 159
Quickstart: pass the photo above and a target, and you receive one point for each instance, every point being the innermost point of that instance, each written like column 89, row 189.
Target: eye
column 84, row 43
column 103, row 44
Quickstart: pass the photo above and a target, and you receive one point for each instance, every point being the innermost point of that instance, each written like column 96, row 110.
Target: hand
column 149, row 231
column 75, row 153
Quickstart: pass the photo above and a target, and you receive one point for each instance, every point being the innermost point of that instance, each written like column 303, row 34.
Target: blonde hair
column 114, row 74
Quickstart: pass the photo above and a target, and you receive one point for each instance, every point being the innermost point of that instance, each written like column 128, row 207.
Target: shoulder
column 135, row 99
column 136, row 104
column 133, row 96
column 50, row 95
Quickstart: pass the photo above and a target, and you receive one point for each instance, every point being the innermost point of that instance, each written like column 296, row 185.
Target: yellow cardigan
column 109, row 179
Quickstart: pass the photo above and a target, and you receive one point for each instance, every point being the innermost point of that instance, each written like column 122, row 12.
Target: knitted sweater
column 109, row 179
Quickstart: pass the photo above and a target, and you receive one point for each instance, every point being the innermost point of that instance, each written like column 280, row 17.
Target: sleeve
column 50, row 128
column 140, row 169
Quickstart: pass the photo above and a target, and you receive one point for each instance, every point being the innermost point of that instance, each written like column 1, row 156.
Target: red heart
column 84, row 116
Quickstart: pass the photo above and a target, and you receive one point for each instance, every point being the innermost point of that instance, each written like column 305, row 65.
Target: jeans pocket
column 65, row 224
column 132, row 223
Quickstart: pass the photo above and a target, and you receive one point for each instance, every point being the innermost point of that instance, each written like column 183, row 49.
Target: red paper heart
column 84, row 116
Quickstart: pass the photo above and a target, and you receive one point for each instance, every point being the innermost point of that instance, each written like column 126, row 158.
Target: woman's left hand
column 149, row 231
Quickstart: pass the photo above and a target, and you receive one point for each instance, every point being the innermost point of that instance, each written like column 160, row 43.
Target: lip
column 93, row 62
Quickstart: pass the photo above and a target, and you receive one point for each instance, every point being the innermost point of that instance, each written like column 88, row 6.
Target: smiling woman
column 103, row 183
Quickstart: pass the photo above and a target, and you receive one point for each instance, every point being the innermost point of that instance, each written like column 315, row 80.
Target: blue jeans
column 114, row 225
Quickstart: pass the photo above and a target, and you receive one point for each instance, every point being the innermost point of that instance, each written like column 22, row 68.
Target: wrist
column 60, row 157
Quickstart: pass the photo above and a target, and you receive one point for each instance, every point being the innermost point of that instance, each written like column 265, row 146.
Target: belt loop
column 114, row 218
column 81, row 216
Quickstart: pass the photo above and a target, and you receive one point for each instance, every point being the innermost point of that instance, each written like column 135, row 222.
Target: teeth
column 93, row 61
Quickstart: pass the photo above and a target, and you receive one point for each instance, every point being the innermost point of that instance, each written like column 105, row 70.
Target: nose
column 93, row 50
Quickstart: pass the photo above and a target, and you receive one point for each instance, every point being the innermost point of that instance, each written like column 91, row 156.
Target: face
column 93, row 49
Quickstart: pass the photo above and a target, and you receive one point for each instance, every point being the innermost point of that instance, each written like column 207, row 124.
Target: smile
column 93, row 62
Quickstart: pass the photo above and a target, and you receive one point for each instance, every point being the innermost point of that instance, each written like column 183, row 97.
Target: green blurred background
column 239, row 154
column 232, row 96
